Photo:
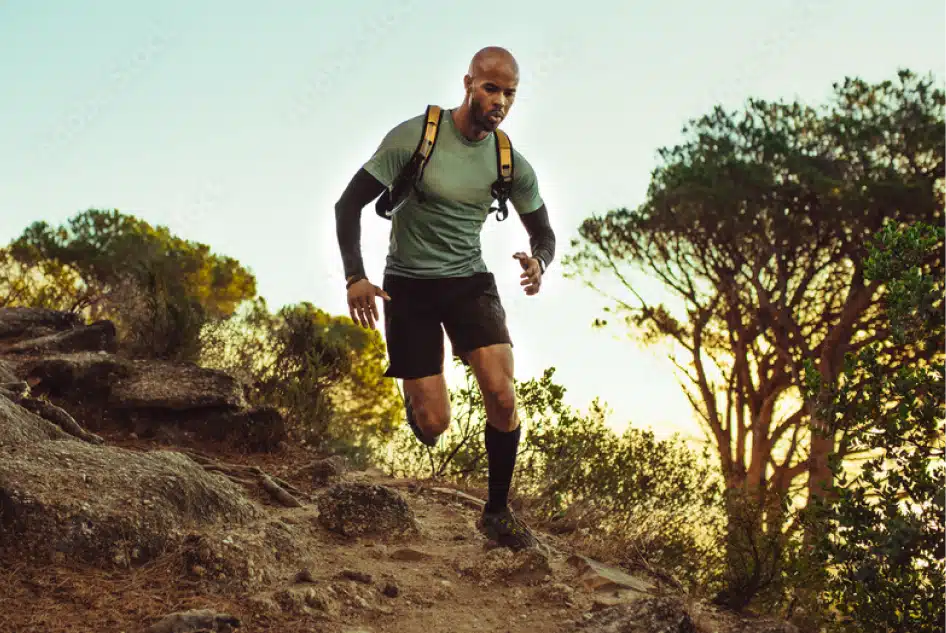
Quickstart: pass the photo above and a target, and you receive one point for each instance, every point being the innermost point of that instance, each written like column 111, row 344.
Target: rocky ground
column 150, row 497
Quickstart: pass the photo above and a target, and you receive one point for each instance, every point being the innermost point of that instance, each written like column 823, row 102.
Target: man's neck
column 463, row 120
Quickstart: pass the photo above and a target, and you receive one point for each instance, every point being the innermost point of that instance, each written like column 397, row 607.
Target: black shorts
column 467, row 308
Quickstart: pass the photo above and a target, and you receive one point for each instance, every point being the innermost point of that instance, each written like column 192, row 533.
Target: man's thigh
column 412, row 329
column 474, row 317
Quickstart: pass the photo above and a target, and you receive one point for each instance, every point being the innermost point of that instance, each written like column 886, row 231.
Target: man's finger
column 366, row 312
column 362, row 316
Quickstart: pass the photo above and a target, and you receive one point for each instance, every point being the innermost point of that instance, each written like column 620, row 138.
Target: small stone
column 391, row 590
column 357, row 576
column 305, row 576
column 410, row 554
column 597, row 576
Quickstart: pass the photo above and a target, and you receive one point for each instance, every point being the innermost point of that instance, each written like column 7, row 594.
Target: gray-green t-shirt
column 441, row 236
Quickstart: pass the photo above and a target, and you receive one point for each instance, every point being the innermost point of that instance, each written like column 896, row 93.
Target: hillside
column 151, row 496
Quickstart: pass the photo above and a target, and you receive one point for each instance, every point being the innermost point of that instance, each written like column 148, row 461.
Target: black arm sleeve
column 541, row 236
column 362, row 189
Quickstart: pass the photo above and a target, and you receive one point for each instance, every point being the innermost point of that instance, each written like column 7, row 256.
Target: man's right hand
column 362, row 305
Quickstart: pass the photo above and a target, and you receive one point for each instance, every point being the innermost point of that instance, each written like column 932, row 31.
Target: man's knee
column 430, row 403
column 501, row 400
column 433, row 418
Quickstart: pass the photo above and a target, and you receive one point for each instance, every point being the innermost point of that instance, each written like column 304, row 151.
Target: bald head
column 493, row 59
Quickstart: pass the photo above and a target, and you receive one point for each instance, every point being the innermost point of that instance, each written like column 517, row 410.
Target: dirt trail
column 445, row 579
column 127, row 495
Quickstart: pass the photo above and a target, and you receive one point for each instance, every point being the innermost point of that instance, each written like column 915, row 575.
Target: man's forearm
column 362, row 189
column 541, row 236
column 348, row 232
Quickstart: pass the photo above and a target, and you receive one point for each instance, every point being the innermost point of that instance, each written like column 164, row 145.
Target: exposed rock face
column 356, row 509
column 146, row 396
column 63, row 498
column 20, row 323
column 6, row 373
column 175, row 387
column 19, row 427
column 99, row 336
column 79, row 377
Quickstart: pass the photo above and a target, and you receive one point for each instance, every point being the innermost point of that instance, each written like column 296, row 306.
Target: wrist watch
column 541, row 265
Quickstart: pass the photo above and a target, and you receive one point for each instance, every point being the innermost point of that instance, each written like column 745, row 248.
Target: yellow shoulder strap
column 504, row 156
column 430, row 132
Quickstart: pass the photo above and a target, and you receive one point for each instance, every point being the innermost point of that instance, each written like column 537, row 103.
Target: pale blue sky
column 238, row 124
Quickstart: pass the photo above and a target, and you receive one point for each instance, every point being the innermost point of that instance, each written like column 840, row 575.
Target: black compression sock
column 501, row 450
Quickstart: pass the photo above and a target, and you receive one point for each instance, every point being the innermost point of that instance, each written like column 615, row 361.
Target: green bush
column 159, row 289
column 879, row 534
column 323, row 372
column 641, row 501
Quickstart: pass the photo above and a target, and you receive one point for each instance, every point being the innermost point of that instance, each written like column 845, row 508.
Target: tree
column 756, row 227
column 158, row 287
column 881, row 533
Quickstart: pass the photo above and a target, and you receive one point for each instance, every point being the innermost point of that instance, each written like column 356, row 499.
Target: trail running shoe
column 429, row 441
column 507, row 529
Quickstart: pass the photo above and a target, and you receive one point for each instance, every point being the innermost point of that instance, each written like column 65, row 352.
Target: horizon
column 240, row 130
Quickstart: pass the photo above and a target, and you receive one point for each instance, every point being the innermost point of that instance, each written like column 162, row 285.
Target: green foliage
column 755, row 228
column 159, row 288
column 44, row 284
column 881, row 531
column 460, row 454
column 324, row 372
column 648, row 502
column 658, row 500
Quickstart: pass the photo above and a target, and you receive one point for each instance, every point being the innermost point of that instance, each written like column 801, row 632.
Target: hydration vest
column 395, row 196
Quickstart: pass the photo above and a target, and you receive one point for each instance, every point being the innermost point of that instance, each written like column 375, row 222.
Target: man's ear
column 467, row 82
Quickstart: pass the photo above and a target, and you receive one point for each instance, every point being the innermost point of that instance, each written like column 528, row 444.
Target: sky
column 239, row 124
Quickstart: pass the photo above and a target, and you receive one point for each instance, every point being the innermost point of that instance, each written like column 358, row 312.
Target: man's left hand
column 532, row 273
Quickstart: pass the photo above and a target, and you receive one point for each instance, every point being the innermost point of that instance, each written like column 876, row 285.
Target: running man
column 435, row 274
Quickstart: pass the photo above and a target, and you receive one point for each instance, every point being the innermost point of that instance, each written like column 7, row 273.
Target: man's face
column 491, row 95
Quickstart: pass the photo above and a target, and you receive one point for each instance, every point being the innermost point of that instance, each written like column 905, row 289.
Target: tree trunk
column 820, row 477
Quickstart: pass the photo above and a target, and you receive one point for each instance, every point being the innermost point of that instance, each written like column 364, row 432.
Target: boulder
column 18, row 323
column 322, row 471
column 99, row 336
column 81, row 376
column 358, row 509
column 176, row 387
column 151, row 398
column 61, row 498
